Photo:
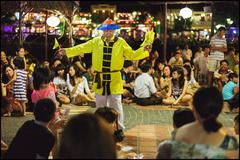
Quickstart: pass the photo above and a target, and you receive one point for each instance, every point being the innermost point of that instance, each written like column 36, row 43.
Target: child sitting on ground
column 61, row 84
column 43, row 88
column 231, row 93
column 182, row 117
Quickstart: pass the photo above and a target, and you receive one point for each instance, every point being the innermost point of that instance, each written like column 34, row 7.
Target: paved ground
column 145, row 126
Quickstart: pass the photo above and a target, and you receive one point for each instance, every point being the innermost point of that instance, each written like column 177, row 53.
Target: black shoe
column 16, row 114
column 119, row 135
column 91, row 104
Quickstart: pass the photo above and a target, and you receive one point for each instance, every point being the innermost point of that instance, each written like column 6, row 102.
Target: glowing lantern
column 185, row 12
column 53, row 21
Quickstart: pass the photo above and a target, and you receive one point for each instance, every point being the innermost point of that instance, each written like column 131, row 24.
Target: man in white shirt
column 218, row 45
column 144, row 89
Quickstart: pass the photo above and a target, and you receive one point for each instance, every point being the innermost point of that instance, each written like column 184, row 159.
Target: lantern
column 53, row 21
column 185, row 12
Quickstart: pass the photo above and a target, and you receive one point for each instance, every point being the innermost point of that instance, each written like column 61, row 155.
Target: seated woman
column 77, row 84
column 203, row 138
column 7, row 76
column 4, row 60
column 164, row 80
column 158, row 73
column 177, row 88
column 193, row 85
column 61, row 84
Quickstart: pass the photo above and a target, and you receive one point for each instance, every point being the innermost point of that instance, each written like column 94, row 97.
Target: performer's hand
column 60, row 53
column 148, row 48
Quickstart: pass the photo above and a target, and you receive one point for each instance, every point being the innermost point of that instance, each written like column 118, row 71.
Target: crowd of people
column 186, row 78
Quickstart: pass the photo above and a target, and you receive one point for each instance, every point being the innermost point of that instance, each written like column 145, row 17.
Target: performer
column 108, row 55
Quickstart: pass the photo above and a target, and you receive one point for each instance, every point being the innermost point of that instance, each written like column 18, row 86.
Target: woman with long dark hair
column 193, row 85
column 158, row 73
column 164, row 80
column 7, row 75
column 177, row 88
column 203, row 138
column 61, row 84
column 77, row 84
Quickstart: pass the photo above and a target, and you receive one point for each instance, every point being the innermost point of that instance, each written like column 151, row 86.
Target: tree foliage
column 181, row 24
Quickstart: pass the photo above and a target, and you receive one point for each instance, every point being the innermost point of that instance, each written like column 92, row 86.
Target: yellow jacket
column 120, row 51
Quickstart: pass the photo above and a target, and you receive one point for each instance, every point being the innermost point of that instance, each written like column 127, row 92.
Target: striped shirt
column 218, row 42
column 20, row 85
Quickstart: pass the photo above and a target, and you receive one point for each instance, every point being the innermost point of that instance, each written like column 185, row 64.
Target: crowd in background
column 151, row 81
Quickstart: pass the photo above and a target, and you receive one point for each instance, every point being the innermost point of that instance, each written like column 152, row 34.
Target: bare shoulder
column 185, row 132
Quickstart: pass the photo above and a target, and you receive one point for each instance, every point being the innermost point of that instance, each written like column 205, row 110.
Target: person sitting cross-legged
column 144, row 89
column 181, row 117
column 78, row 85
column 231, row 93
column 177, row 89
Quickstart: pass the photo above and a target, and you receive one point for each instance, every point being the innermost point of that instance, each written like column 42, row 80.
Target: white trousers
column 114, row 101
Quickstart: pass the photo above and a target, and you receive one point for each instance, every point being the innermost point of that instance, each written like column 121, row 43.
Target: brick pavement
column 145, row 126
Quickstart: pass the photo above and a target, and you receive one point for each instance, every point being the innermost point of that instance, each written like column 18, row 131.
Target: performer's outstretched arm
column 77, row 50
column 140, row 53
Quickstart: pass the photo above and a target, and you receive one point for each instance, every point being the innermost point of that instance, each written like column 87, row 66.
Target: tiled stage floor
column 145, row 127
